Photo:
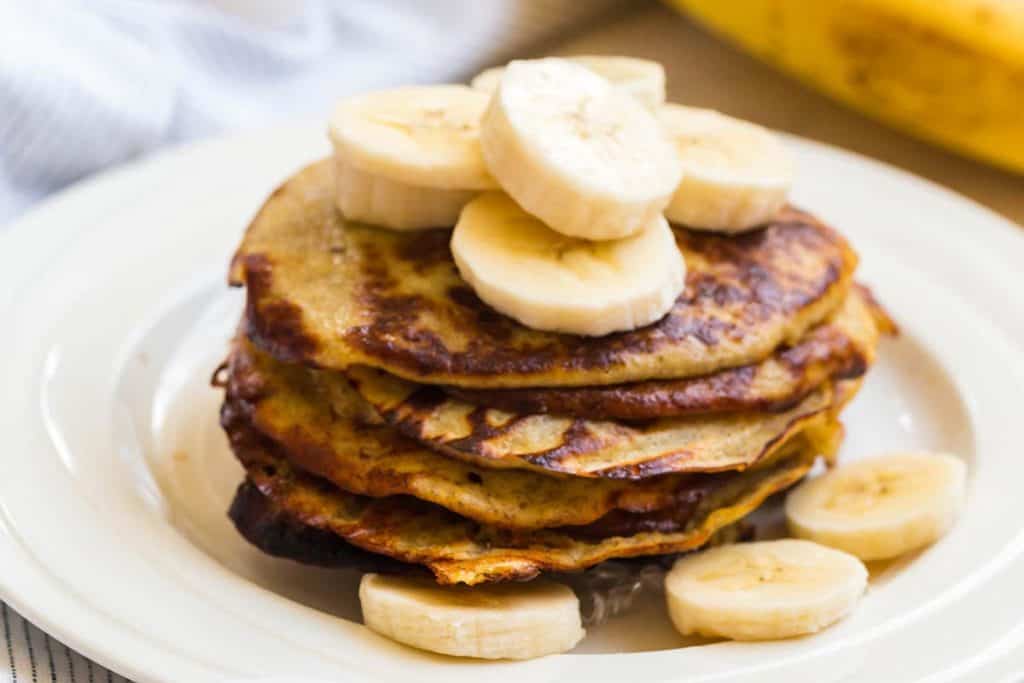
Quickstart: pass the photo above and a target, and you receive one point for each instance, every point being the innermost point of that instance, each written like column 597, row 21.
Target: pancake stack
column 388, row 419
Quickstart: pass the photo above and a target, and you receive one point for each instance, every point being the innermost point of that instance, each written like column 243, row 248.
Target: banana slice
column 427, row 136
column 409, row 158
column 570, row 149
column 763, row 591
column 549, row 281
column 736, row 175
column 362, row 196
column 640, row 78
column 880, row 507
column 500, row 621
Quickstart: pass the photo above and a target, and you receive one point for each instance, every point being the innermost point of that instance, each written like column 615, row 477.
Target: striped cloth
column 33, row 656
column 86, row 84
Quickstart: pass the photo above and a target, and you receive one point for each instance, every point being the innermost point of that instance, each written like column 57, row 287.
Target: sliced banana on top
column 641, row 78
column 763, row 591
column 409, row 158
column 550, row 281
column 578, row 154
column 880, row 507
column 428, row 136
column 500, row 621
column 736, row 175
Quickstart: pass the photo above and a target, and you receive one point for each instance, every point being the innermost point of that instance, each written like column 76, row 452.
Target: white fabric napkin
column 85, row 84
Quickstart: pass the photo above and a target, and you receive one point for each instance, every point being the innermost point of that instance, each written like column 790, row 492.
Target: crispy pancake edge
column 284, row 405
column 278, row 534
column 275, row 532
column 458, row 550
column 841, row 347
column 579, row 447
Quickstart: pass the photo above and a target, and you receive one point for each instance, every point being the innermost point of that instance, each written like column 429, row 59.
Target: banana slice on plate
column 550, row 281
column 409, row 158
column 572, row 150
column 763, row 591
column 640, row 78
column 736, row 175
column 500, row 621
column 880, row 507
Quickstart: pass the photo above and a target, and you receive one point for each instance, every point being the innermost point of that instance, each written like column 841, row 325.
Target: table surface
column 702, row 71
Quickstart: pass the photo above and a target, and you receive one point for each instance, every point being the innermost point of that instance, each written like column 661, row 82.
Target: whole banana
column 949, row 71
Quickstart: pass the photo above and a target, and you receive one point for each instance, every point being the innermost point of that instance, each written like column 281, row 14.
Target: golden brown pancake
column 578, row 446
column 842, row 347
column 276, row 532
column 322, row 426
column 333, row 294
column 458, row 550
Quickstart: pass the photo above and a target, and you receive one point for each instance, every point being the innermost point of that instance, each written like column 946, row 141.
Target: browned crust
column 279, row 534
column 245, row 418
column 276, row 532
column 575, row 442
column 581, row 502
column 265, row 460
column 826, row 353
column 744, row 296
column 741, row 278
column 254, row 449
column 457, row 550
column 273, row 324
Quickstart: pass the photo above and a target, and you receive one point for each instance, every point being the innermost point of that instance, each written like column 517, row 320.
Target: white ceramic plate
column 115, row 477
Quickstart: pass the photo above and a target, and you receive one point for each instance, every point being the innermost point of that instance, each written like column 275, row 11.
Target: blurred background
column 933, row 86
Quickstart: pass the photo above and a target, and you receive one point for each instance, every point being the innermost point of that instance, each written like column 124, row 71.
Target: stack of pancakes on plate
column 388, row 419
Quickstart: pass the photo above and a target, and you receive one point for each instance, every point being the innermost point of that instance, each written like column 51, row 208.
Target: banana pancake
column 458, row 550
column 276, row 532
column 842, row 347
column 322, row 427
column 575, row 445
column 333, row 294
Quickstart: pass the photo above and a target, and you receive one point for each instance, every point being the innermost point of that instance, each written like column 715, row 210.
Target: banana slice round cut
column 736, row 175
column 880, row 507
column 409, row 158
column 640, row 78
column 428, row 136
column 570, row 149
column 550, row 281
column 500, row 621
column 763, row 591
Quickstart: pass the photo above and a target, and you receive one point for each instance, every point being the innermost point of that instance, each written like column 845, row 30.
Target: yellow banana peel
column 949, row 71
